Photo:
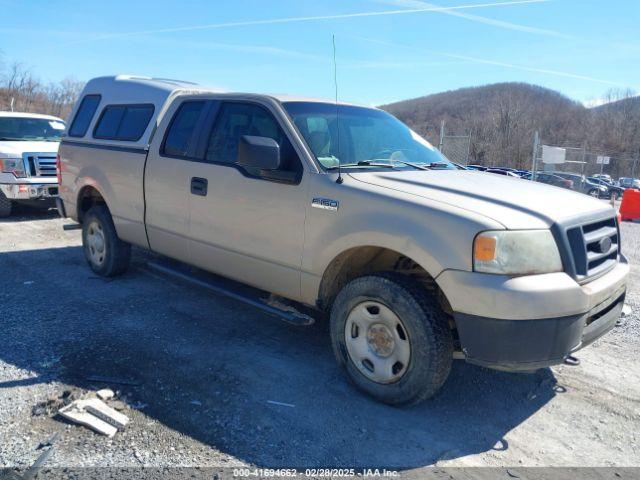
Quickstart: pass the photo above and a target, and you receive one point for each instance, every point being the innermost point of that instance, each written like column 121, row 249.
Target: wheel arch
column 88, row 196
column 363, row 260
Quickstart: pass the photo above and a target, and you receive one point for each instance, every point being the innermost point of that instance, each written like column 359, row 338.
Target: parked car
column 584, row 185
column 613, row 191
column 499, row 171
column 603, row 176
column 414, row 260
column 28, row 148
column 550, row 179
column 627, row 182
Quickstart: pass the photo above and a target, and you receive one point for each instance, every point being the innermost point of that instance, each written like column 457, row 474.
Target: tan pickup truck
column 345, row 209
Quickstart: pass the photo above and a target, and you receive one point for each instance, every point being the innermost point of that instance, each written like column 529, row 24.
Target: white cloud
column 497, row 63
column 476, row 18
column 273, row 21
column 231, row 47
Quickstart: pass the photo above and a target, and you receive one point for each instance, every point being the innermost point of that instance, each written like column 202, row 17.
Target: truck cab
column 28, row 149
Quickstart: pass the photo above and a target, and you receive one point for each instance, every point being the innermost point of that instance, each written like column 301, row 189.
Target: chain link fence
column 589, row 163
column 455, row 147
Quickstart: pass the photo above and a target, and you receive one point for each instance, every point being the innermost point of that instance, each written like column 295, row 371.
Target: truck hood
column 515, row 203
column 13, row 149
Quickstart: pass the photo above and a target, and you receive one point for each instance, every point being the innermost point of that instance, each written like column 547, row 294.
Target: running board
column 71, row 226
column 245, row 294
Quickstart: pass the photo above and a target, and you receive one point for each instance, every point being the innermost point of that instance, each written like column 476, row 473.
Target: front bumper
column 523, row 345
column 525, row 323
column 29, row 191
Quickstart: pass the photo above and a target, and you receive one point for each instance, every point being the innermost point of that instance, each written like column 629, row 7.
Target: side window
column 123, row 122
column 238, row 119
column 83, row 117
column 178, row 138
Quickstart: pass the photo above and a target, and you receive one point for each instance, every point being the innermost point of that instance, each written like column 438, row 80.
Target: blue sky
column 387, row 50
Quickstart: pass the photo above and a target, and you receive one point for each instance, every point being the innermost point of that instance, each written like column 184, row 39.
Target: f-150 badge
column 325, row 204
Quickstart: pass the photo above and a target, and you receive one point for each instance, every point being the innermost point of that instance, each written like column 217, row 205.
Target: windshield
column 30, row 129
column 362, row 137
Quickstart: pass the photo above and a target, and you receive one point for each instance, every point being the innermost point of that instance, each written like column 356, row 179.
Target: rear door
column 167, row 177
column 244, row 224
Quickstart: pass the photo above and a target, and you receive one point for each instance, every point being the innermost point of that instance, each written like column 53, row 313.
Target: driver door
column 248, row 225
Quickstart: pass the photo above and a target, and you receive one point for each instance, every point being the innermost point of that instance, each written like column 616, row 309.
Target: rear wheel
column 392, row 338
column 5, row 206
column 106, row 254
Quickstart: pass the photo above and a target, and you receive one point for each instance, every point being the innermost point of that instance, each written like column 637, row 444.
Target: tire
column 594, row 193
column 423, row 324
column 5, row 206
column 615, row 195
column 105, row 253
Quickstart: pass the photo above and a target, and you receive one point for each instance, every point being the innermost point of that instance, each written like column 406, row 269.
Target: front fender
column 436, row 236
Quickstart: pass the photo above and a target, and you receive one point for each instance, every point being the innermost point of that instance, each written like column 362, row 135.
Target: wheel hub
column 96, row 243
column 377, row 342
column 380, row 340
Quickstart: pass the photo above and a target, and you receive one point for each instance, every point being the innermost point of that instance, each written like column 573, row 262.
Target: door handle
column 199, row 186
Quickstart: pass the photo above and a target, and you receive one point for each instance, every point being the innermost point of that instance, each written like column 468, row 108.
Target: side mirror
column 258, row 152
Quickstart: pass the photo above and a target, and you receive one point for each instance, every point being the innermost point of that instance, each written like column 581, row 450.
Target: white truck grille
column 40, row 164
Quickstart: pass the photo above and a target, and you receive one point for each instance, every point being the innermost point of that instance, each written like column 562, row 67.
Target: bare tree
column 20, row 89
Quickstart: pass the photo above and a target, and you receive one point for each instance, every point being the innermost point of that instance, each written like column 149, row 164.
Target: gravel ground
column 209, row 369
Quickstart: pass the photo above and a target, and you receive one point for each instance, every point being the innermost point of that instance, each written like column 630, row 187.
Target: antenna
column 339, row 180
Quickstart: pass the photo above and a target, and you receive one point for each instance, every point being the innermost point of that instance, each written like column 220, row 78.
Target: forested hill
column 503, row 117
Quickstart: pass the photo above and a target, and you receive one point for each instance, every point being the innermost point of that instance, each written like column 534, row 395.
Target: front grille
column 40, row 164
column 594, row 247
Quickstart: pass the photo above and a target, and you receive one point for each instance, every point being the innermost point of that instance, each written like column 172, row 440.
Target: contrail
column 273, row 21
column 531, row 69
column 478, row 19
column 494, row 62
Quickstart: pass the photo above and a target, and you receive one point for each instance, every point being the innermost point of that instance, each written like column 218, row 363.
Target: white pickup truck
column 28, row 150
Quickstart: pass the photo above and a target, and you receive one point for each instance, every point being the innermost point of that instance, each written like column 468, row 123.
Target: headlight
column 516, row 252
column 13, row 165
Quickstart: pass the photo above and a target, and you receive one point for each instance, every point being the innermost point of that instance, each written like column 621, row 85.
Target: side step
column 229, row 288
column 71, row 226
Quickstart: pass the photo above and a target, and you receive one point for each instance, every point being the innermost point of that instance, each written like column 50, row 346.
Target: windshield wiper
column 414, row 165
column 9, row 139
column 362, row 163
column 422, row 166
column 436, row 164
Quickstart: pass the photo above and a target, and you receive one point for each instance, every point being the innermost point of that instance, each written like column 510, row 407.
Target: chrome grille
column 594, row 247
column 40, row 164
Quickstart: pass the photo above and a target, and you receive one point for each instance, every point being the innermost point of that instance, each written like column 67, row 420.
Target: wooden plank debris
column 93, row 413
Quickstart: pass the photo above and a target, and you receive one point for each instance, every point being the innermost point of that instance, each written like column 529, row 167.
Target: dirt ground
column 220, row 384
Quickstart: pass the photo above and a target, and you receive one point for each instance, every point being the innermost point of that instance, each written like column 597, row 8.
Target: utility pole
column 13, row 101
column 466, row 160
column 440, row 145
column 534, row 161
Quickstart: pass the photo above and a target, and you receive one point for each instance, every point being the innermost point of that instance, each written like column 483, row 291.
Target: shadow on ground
column 22, row 212
column 211, row 368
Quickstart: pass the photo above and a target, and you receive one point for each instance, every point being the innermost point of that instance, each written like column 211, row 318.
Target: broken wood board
column 96, row 415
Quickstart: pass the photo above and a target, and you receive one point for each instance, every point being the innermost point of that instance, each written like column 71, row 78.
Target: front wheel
column 594, row 193
column 392, row 338
column 106, row 254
